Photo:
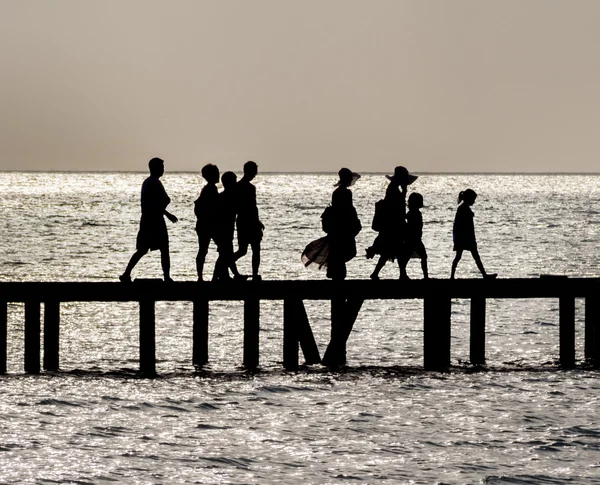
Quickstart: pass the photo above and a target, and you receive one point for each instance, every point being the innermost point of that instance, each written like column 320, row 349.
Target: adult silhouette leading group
column 218, row 215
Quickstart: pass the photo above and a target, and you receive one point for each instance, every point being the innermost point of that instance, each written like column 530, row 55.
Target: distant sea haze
column 383, row 421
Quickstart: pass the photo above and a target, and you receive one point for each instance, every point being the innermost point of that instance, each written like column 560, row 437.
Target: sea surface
column 381, row 421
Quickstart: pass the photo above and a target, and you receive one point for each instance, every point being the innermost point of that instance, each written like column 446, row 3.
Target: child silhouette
column 414, row 232
column 463, row 232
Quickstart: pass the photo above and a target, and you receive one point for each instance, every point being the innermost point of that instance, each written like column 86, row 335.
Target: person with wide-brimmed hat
column 390, row 221
column 344, row 225
column 341, row 224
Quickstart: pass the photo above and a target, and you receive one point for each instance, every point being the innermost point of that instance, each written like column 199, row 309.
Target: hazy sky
column 436, row 85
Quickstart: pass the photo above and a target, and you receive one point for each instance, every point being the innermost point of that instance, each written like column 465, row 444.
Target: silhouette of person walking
column 249, row 227
column 463, row 232
column 153, row 230
column 390, row 221
column 414, row 232
column 342, row 225
column 225, row 229
column 206, row 210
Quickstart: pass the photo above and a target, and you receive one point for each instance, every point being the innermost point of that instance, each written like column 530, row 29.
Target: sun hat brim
column 411, row 178
column 355, row 177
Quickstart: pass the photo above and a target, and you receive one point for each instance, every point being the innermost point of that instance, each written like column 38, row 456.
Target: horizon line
column 296, row 172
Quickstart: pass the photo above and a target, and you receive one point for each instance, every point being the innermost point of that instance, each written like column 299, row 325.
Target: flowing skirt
column 315, row 255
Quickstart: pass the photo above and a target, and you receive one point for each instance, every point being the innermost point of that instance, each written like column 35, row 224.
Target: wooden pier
column 346, row 300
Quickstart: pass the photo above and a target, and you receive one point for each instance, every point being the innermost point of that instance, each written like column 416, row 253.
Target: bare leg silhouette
column 203, row 243
column 402, row 262
column 221, row 270
column 479, row 264
column 241, row 252
column 378, row 267
column 165, row 261
column 455, row 263
column 255, row 258
column 135, row 259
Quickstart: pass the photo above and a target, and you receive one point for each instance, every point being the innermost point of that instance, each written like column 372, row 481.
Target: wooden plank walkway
column 346, row 299
column 549, row 287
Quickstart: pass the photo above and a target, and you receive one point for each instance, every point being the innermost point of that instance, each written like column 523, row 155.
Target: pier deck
column 346, row 298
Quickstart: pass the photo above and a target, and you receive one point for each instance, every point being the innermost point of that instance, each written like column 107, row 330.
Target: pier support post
column 32, row 337
column 296, row 329
column 567, row 331
column 437, row 332
column 592, row 315
column 592, row 330
column 596, row 353
column 51, row 335
column 251, row 332
column 335, row 354
column 306, row 337
column 477, row 350
column 147, row 338
column 290, row 335
column 200, row 333
column 343, row 317
column 3, row 335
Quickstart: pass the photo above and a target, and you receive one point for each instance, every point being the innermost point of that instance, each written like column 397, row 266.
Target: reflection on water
column 383, row 421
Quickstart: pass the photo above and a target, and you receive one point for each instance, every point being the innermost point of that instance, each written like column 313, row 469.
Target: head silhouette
column 210, row 173
column 157, row 167
column 415, row 201
column 400, row 176
column 250, row 169
column 228, row 179
column 467, row 196
column 347, row 177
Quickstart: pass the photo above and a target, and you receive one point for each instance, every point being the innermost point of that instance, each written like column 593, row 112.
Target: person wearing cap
column 249, row 227
column 153, row 230
column 390, row 222
column 342, row 225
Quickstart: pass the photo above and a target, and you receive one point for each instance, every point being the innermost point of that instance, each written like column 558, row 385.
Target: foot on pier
column 125, row 278
column 256, row 277
column 490, row 276
column 374, row 277
column 241, row 277
column 168, row 279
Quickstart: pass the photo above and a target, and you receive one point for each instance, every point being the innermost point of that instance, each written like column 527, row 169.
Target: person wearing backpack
column 342, row 225
column 390, row 221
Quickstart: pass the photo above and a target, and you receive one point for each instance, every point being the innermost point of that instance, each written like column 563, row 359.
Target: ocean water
column 381, row 421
